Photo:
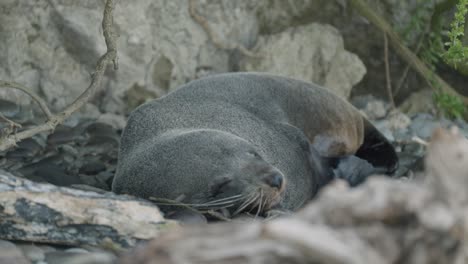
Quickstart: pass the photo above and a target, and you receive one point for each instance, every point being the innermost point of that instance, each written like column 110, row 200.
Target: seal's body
column 228, row 138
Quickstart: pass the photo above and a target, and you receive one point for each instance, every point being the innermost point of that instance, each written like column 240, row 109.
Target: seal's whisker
column 239, row 196
column 220, row 203
column 243, row 205
column 259, row 204
column 169, row 202
column 247, row 202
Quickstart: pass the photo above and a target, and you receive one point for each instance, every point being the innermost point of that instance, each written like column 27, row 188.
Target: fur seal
column 247, row 141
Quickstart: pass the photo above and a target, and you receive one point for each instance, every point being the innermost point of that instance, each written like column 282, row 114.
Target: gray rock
column 76, row 250
column 423, row 125
column 418, row 102
column 52, row 46
column 32, row 252
column 9, row 253
column 79, row 256
column 375, row 110
column 326, row 62
column 116, row 121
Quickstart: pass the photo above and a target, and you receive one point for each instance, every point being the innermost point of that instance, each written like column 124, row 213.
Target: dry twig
column 431, row 77
column 42, row 104
column 387, row 72
column 54, row 120
column 406, row 70
column 214, row 38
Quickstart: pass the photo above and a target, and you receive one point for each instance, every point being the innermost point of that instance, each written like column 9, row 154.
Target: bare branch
column 54, row 120
column 431, row 77
column 406, row 70
column 214, row 38
column 387, row 72
column 10, row 122
column 42, row 104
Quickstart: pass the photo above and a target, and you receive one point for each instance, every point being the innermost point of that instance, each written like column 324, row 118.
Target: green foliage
column 457, row 53
column 432, row 50
column 442, row 46
column 452, row 106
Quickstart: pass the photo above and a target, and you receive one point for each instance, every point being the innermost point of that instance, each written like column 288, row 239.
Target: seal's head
column 204, row 168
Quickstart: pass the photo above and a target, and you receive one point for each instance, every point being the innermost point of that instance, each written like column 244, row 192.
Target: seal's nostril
column 275, row 180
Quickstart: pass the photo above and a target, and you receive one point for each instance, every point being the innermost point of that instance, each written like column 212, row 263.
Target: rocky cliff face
column 52, row 46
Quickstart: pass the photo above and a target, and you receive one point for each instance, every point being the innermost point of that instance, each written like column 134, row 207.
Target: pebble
column 10, row 253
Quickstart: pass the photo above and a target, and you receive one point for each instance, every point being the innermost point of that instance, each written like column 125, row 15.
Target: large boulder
column 313, row 53
column 52, row 46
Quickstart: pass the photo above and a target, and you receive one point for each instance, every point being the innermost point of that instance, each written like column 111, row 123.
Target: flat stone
column 92, row 168
column 9, row 253
column 32, row 252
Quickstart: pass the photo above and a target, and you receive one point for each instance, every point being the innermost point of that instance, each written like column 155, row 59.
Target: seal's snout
column 275, row 180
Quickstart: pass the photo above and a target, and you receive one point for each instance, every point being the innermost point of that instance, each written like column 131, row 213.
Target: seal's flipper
column 353, row 169
column 377, row 150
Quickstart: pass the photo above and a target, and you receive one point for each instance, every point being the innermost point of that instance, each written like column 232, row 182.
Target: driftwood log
column 40, row 212
column 382, row 221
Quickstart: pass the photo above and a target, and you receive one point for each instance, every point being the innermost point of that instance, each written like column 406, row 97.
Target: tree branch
column 431, row 77
column 42, row 104
column 54, row 120
column 387, row 72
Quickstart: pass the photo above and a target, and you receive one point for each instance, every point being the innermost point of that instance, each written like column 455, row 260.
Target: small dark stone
column 92, row 168
column 27, row 148
column 64, row 134
column 50, row 173
column 105, row 178
column 100, row 129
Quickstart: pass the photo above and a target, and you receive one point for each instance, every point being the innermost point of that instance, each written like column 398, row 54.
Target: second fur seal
column 246, row 141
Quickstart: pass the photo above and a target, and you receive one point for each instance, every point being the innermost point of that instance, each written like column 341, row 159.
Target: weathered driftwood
column 45, row 213
column 382, row 221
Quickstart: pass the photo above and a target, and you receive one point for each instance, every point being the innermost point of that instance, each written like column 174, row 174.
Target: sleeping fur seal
column 247, row 140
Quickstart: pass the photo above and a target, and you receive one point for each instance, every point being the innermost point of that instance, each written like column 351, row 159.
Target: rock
column 32, row 252
column 396, row 120
column 92, row 168
column 54, row 174
column 9, row 253
column 27, row 148
column 116, row 121
column 424, row 124
column 88, row 188
column 326, row 62
column 64, row 134
column 79, row 257
column 73, row 29
column 418, row 102
column 375, row 110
